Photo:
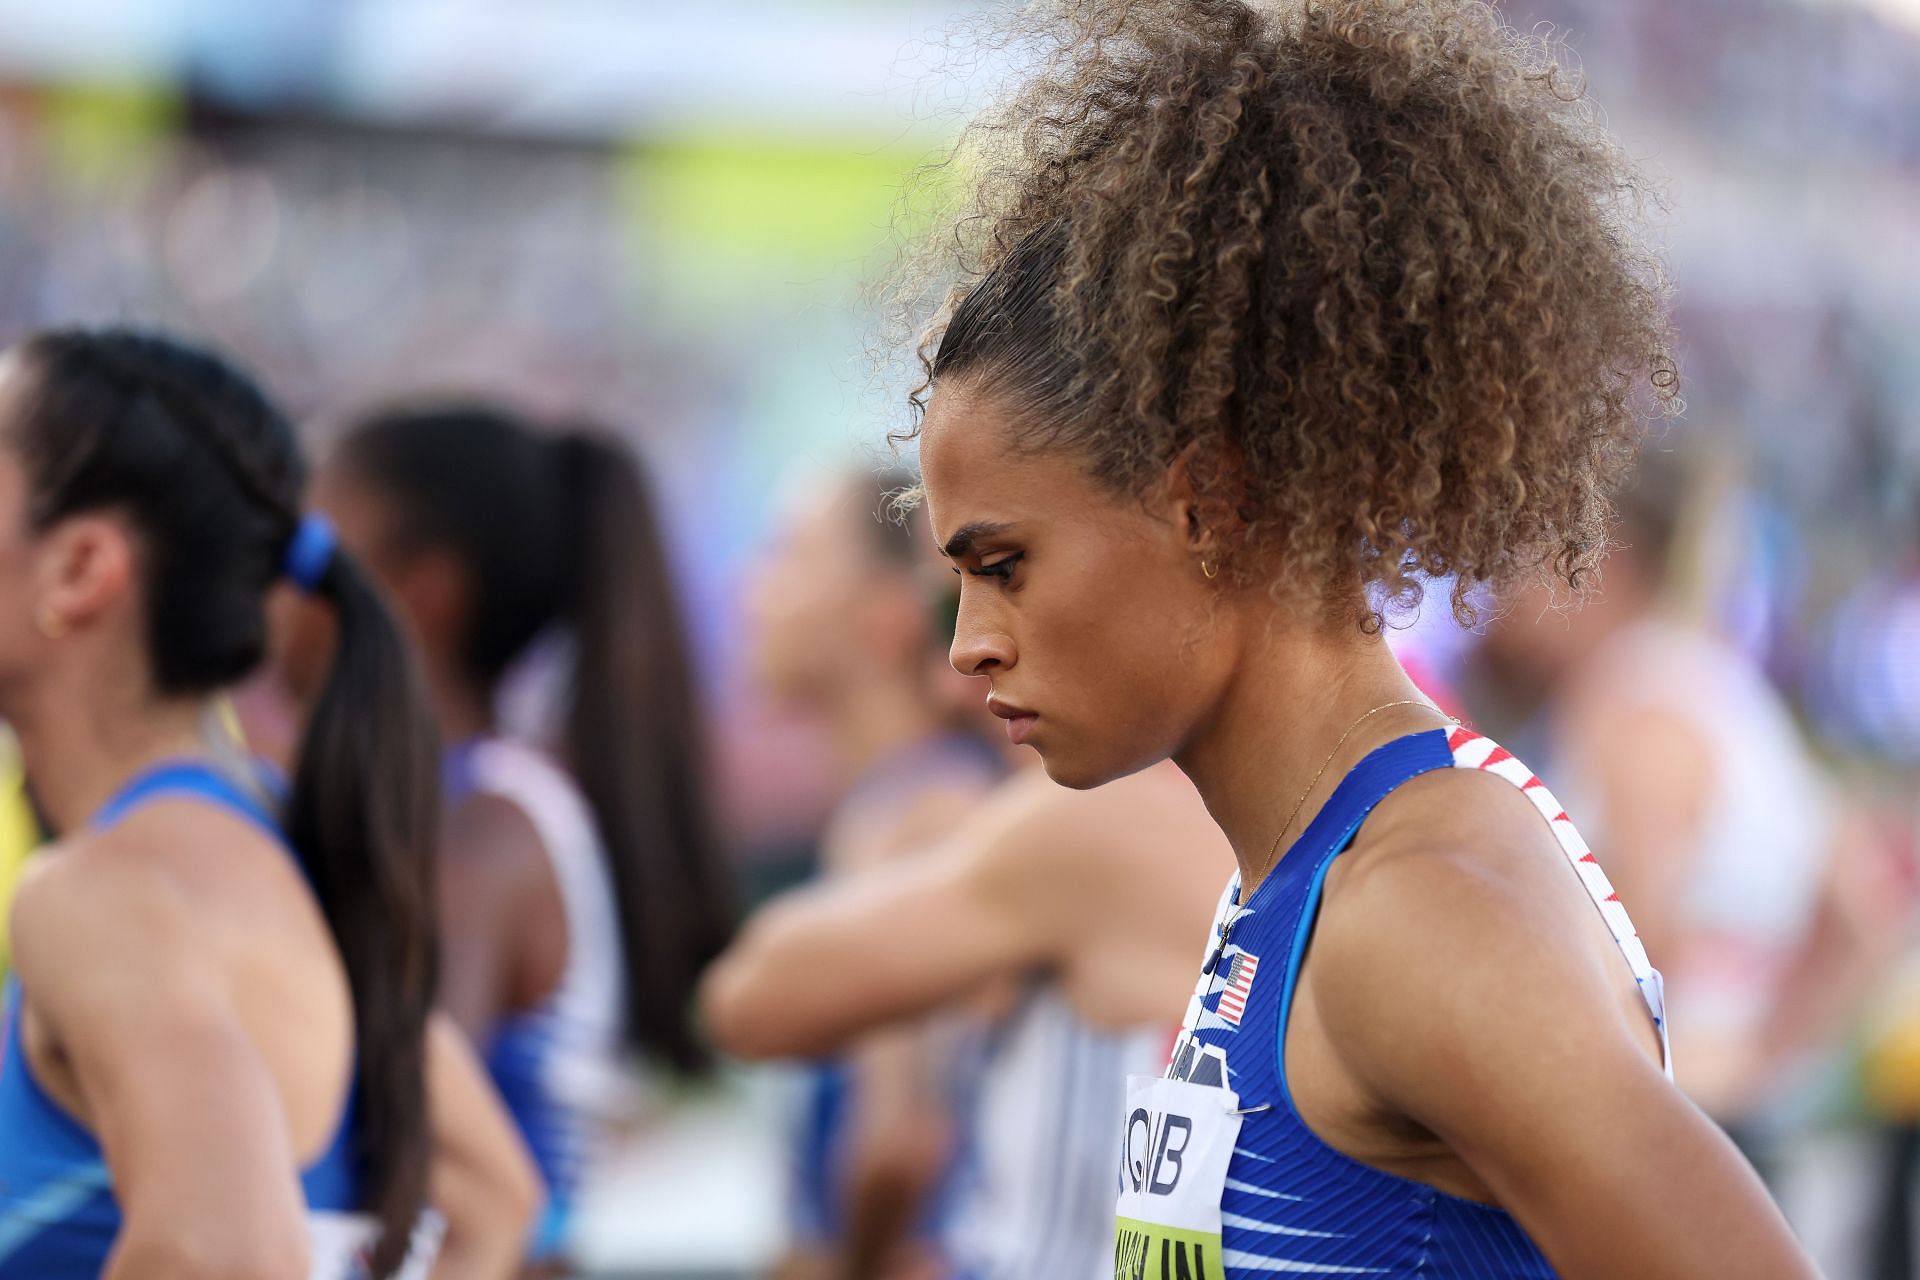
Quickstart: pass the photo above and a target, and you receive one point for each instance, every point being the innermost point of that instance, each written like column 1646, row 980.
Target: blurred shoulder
column 101, row 894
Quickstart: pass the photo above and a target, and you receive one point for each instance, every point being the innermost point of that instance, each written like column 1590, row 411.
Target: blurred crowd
column 1735, row 719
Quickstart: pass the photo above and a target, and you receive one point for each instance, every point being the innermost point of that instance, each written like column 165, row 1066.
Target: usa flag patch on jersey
column 1233, row 997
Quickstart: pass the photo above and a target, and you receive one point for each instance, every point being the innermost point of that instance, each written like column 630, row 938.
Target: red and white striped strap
column 1474, row 751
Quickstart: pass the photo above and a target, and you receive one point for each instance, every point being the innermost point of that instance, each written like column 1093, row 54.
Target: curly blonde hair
column 1371, row 267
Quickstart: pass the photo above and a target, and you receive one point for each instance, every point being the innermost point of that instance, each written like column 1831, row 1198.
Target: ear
column 1195, row 518
column 86, row 566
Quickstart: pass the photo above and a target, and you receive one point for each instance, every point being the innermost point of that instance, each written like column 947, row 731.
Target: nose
column 979, row 647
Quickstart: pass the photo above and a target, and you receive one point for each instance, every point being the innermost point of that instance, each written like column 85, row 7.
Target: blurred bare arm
column 503, row 935
column 114, row 957
column 483, row 1180
column 902, row 1136
column 829, row 962
column 902, row 1123
column 1859, row 928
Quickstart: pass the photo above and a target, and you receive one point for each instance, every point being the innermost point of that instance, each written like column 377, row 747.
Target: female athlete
column 217, row 1058
column 582, row 886
column 1270, row 316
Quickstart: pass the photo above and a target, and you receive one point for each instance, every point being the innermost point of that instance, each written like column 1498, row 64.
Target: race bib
column 1173, row 1170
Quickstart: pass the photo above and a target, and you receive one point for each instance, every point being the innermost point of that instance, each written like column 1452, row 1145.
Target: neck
column 81, row 739
column 462, row 710
column 873, row 717
column 1272, row 751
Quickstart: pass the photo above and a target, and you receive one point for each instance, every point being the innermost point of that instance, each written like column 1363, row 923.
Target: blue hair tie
column 309, row 552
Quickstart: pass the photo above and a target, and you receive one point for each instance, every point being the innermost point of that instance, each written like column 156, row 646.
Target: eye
column 1001, row 568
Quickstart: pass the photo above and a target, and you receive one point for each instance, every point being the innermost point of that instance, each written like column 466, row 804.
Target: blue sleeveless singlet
column 58, row 1214
column 1293, row 1204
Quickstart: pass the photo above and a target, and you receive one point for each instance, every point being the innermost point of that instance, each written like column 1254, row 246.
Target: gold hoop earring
column 1209, row 569
column 51, row 624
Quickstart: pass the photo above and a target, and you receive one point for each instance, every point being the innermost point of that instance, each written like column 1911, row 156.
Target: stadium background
column 665, row 218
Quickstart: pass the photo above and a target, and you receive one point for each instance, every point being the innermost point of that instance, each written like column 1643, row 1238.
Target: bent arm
column 187, row 1113
column 232, row 1206
column 483, row 1180
column 825, row 963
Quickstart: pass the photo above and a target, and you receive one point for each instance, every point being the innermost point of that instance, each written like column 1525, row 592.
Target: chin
column 1080, row 773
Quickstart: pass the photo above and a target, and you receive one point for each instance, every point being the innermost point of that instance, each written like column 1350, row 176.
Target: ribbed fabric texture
column 1293, row 1205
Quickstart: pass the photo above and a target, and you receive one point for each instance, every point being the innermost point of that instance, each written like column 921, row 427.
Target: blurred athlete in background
column 217, row 1055
column 1085, row 905
column 1693, row 780
column 582, row 889
column 843, row 630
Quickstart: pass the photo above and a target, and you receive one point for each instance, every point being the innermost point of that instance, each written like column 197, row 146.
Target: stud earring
column 51, row 624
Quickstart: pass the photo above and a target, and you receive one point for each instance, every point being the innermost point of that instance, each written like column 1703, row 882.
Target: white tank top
column 1036, row 1200
column 569, row 1046
column 1761, row 841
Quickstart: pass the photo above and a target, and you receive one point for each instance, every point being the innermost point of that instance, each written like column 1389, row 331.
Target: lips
column 1019, row 720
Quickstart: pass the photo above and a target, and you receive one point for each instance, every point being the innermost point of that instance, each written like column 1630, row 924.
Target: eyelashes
column 1001, row 569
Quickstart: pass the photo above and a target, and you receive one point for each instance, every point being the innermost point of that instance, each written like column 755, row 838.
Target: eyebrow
column 962, row 540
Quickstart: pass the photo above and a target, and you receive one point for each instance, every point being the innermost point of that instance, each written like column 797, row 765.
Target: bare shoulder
column 176, row 882
column 1026, row 818
column 1456, row 920
column 491, row 839
column 1136, row 864
column 1460, row 839
column 497, row 880
column 98, row 896
column 157, row 859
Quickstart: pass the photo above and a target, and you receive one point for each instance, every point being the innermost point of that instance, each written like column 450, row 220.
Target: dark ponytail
column 210, row 476
column 364, row 814
column 561, row 531
column 633, row 740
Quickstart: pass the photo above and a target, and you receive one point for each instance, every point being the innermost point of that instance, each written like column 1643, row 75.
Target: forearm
column 489, row 1220
column 237, row 1251
column 775, row 993
column 890, row 1181
column 824, row 965
column 902, row 1137
column 490, row 1207
column 478, row 1250
column 483, row 1181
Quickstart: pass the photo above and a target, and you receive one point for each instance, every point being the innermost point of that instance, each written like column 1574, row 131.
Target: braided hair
column 209, row 475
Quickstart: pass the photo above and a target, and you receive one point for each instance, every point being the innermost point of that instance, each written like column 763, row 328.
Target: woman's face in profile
column 1085, row 609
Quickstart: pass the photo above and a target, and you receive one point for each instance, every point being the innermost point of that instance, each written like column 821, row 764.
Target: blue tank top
column 58, row 1214
column 1293, row 1204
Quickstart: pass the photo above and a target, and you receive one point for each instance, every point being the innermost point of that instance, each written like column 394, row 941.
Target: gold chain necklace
column 1319, row 773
